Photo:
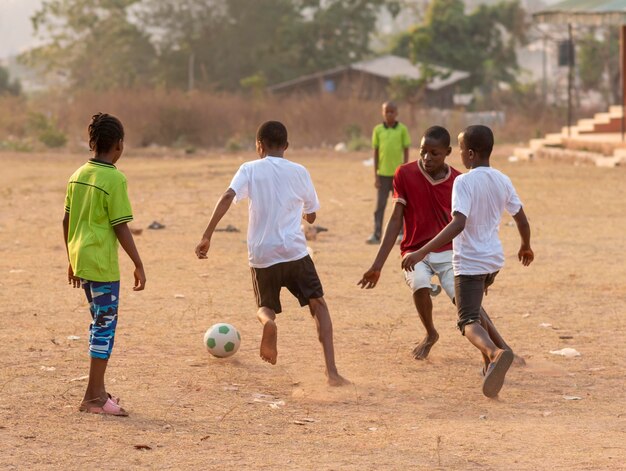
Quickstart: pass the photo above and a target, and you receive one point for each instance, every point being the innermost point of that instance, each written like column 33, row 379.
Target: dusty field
column 197, row 412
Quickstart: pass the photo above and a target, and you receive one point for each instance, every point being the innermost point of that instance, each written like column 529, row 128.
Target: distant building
column 370, row 80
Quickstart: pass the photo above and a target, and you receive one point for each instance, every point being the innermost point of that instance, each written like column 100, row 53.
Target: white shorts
column 435, row 263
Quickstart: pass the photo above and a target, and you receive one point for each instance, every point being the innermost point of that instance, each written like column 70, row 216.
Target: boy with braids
column 97, row 212
column 280, row 194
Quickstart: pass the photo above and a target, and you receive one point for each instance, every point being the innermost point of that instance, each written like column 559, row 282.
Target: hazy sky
column 16, row 33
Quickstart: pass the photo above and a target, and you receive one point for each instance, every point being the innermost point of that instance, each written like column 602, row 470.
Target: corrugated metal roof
column 586, row 12
column 388, row 66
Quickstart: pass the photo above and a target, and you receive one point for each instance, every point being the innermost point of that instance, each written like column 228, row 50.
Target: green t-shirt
column 390, row 142
column 96, row 200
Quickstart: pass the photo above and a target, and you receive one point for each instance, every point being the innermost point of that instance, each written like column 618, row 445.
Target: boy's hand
column 370, row 278
column 140, row 279
column 525, row 255
column 71, row 279
column 203, row 248
column 411, row 259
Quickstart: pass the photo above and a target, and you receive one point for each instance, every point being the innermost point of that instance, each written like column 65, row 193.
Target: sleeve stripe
column 402, row 201
column 121, row 220
column 67, row 209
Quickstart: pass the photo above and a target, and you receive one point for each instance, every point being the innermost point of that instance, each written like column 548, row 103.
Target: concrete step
column 585, row 125
column 615, row 111
column 602, row 118
column 620, row 152
column 554, row 138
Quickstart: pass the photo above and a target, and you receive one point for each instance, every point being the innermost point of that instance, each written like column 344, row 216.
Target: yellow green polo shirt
column 390, row 142
column 96, row 201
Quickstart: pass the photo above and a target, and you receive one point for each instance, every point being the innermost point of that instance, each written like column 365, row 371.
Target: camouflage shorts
column 103, row 298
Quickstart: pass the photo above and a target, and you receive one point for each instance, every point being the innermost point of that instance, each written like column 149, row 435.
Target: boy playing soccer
column 391, row 142
column 97, row 212
column 280, row 194
column 478, row 200
column 423, row 200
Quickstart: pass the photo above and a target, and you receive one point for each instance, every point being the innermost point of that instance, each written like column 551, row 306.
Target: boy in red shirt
column 423, row 199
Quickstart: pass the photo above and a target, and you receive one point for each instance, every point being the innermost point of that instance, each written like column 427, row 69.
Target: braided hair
column 104, row 132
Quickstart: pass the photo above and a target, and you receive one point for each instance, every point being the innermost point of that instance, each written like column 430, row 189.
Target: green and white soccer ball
column 222, row 340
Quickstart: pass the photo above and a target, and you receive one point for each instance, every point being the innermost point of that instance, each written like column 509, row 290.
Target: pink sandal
column 109, row 408
column 113, row 398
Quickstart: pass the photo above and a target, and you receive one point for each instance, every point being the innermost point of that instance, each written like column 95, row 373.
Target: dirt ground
column 191, row 411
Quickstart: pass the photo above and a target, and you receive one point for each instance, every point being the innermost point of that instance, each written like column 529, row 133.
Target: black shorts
column 298, row 276
column 468, row 294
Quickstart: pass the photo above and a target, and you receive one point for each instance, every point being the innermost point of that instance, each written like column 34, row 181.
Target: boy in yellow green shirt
column 391, row 142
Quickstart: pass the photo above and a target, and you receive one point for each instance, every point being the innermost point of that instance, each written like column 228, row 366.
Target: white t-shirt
column 481, row 195
column 279, row 192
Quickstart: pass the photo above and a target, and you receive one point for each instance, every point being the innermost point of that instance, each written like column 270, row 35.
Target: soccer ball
column 222, row 340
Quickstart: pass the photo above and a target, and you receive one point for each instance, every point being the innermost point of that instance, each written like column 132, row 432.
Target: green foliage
column 17, row 145
column 255, row 84
column 46, row 130
column 234, row 144
column 482, row 42
column 94, row 43
column 356, row 140
column 8, row 86
column 598, row 63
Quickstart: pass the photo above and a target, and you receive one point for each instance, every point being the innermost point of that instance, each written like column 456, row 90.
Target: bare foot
column 269, row 352
column 337, row 380
column 518, row 360
column 422, row 349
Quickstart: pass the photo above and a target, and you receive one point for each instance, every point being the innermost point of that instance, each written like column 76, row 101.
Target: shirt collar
column 394, row 125
column 101, row 163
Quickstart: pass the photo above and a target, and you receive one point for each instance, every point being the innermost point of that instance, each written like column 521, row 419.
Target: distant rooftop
column 387, row 66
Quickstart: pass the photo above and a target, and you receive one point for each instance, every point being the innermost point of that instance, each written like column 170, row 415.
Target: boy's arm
column 221, row 208
column 525, row 254
column 123, row 234
column 406, row 155
column 310, row 218
column 453, row 229
column 376, row 158
column 371, row 276
column 71, row 279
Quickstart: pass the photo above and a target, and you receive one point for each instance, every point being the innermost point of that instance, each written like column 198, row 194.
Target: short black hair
column 479, row 138
column 104, row 132
column 272, row 134
column 439, row 134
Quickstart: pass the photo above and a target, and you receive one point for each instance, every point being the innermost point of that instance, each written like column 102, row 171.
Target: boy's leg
column 319, row 311
column 269, row 341
column 419, row 282
column 386, row 186
column 424, row 306
column 103, row 301
column 496, row 338
column 469, row 291
column 266, row 283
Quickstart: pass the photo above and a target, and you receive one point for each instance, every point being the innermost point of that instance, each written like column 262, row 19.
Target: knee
column 316, row 305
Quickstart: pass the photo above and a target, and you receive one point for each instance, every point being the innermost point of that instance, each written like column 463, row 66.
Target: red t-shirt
column 427, row 204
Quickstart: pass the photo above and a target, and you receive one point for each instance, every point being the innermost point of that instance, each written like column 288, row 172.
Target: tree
column 94, row 43
column 598, row 63
column 482, row 42
column 230, row 40
column 8, row 86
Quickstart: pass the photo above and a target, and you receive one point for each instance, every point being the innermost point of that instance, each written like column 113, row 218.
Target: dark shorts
column 299, row 277
column 469, row 291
